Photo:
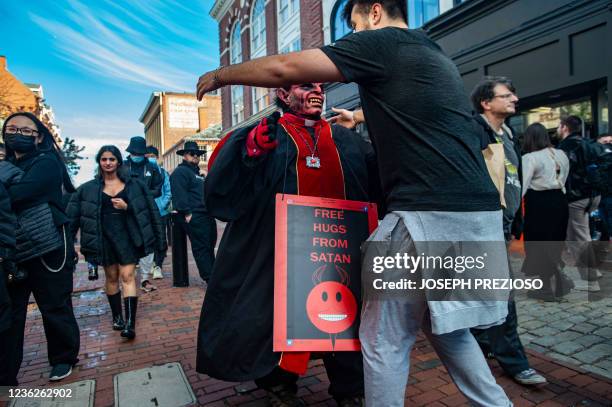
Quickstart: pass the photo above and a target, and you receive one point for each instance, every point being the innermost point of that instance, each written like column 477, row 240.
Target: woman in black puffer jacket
column 119, row 224
column 35, row 177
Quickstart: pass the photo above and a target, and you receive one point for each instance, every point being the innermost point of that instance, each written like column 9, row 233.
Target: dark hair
column 153, row 150
column 394, row 8
column 48, row 144
column 573, row 123
column 117, row 154
column 535, row 138
column 599, row 137
column 279, row 102
column 483, row 91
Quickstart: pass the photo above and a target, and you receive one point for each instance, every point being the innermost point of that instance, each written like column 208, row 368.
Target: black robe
column 236, row 322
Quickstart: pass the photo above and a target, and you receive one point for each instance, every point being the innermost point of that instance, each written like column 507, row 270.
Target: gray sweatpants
column 388, row 332
column 389, row 326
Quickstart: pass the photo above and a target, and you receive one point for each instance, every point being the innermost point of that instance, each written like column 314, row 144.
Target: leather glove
column 263, row 136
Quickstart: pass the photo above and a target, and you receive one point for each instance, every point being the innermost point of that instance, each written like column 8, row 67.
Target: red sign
column 317, row 272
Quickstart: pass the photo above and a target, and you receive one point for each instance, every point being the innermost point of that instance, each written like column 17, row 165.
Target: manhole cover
column 77, row 394
column 157, row 386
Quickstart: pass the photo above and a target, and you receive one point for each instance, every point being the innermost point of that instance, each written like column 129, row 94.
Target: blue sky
column 99, row 61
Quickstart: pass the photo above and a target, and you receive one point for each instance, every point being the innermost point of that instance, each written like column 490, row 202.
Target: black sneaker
column 60, row 371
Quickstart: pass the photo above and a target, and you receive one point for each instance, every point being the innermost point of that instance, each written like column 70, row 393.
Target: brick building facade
column 288, row 25
column 169, row 117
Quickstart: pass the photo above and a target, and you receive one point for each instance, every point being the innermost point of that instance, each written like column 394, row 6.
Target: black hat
column 153, row 150
column 137, row 146
column 191, row 147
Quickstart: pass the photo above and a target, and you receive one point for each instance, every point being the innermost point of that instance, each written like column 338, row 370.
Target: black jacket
column 187, row 187
column 575, row 186
column 7, row 226
column 7, row 247
column 489, row 137
column 42, row 182
column 85, row 212
column 235, row 331
column 147, row 173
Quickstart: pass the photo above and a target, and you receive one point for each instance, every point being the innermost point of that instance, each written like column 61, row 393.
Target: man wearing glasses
column 187, row 187
column 494, row 99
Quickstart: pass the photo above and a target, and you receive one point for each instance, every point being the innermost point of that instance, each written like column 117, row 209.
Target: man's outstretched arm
column 274, row 71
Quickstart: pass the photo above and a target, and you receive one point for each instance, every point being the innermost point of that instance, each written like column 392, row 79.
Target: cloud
column 140, row 45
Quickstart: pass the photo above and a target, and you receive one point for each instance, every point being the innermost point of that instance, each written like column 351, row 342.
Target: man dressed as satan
column 298, row 153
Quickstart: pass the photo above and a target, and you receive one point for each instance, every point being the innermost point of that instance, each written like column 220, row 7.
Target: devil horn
column 316, row 276
column 345, row 278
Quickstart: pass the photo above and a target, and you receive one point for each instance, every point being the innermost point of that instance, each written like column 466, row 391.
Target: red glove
column 263, row 136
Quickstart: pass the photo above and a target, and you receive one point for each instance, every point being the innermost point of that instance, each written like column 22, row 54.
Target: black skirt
column 117, row 245
column 546, row 215
column 545, row 228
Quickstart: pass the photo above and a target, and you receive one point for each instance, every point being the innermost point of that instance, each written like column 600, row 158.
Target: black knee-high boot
column 115, row 305
column 131, row 304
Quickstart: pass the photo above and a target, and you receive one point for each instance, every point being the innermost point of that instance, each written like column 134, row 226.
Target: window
column 236, row 45
column 421, row 11
column 550, row 114
column 293, row 46
column 339, row 26
column 602, row 107
column 258, row 29
column 288, row 34
column 261, row 99
column 237, row 92
column 237, row 104
column 287, row 8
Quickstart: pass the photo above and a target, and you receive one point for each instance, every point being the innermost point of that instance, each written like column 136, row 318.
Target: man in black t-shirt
column 433, row 176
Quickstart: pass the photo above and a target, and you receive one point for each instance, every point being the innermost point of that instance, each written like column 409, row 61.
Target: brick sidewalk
column 167, row 329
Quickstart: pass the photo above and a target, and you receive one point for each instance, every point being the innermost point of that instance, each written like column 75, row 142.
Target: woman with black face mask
column 119, row 223
column 44, row 251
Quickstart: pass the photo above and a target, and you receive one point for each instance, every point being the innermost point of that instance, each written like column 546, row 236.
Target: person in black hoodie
column 187, row 187
column 139, row 167
column 44, row 251
column 119, row 225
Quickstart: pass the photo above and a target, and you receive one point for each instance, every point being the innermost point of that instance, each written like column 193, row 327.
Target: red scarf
column 326, row 181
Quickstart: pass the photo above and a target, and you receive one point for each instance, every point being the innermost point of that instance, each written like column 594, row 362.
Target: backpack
column 593, row 165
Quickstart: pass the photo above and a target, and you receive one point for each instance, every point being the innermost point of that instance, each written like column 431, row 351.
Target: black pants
column 344, row 369
column 160, row 256
column 202, row 232
column 5, row 303
column 53, row 295
column 504, row 343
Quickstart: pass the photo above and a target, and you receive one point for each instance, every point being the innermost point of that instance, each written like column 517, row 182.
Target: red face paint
column 307, row 100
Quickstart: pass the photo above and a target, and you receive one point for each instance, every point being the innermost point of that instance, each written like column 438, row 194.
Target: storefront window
column 602, row 114
column 550, row 115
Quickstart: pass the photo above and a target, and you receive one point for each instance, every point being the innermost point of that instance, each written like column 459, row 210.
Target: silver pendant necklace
column 312, row 160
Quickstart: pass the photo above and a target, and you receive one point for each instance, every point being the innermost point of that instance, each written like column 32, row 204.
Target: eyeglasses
column 26, row 131
column 505, row 96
